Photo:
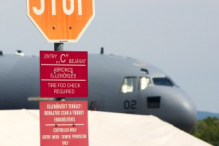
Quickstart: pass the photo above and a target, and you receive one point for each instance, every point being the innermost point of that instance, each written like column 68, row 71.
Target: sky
column 181, row 37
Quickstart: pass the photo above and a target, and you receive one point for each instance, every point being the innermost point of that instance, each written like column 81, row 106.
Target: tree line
column 207, row 130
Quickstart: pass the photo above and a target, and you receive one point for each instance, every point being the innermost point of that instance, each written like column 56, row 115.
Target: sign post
column 62, row 74
column 59, row 47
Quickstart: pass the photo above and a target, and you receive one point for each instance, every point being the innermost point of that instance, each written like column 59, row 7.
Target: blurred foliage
column 207, row 130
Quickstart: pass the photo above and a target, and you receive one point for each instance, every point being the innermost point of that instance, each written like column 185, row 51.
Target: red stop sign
column 61, row 20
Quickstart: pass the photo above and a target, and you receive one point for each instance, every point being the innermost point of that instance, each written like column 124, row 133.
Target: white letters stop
column 65, row 10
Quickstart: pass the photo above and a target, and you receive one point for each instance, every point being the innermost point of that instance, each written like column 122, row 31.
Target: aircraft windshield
column 129, row 84
column 143, row 83
column 162, row 81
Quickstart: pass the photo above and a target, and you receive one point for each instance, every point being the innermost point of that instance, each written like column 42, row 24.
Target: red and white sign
column 61, row 20
column 63, row 74
column 63, row 123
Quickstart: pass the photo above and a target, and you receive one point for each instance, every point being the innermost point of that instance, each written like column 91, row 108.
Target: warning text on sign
column 63, row 74
column 63, row 123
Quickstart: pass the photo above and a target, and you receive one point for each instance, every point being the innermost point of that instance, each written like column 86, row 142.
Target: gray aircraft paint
column 19, row 80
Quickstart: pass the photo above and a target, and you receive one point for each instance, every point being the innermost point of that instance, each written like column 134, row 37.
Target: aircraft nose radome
column 187, row 112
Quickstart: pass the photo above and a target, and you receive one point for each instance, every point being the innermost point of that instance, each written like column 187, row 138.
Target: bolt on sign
column 64, row 123
column 63, row 74
column 61, row 20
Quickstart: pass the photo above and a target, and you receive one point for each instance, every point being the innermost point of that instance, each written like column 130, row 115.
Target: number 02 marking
column 130, row 104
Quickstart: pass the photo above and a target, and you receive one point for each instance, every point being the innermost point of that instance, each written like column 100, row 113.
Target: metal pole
column 59, row 47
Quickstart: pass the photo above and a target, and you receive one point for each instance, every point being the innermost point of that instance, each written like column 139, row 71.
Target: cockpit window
column 163, row 81
column 129, row 85
column 143, row 83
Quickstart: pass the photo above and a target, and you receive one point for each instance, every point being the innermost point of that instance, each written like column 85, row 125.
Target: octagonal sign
column 61, row 20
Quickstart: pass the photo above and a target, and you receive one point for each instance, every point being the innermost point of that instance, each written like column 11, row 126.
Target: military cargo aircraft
column 115, row 84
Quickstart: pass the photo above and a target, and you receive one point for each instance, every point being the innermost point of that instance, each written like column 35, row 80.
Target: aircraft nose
column 186, row 111
column 176, row 107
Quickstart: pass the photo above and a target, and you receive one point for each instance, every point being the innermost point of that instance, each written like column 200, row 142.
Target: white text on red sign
column 64, row 123
column 63, row 59
column 63, row 74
